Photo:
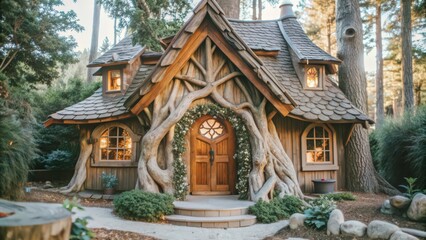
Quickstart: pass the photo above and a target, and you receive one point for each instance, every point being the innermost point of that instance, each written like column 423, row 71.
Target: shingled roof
column 124, row 51
column 285, row 35
column 98, row 107
column 327, row 105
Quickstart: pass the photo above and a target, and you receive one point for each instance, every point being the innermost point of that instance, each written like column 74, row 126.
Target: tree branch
column 192, row 80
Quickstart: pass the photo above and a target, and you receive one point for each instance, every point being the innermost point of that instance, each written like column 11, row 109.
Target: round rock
column 333, row 224
column 381, row 230
column 296, row 220
column 399, row 202
column 353, row 228
column 399, row 235
column 417, row 209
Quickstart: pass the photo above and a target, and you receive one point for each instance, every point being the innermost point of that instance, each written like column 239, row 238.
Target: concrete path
column 103, row 218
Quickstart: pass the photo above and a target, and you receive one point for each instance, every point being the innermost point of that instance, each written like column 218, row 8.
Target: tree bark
column 406, row 61
column 254, row 10
column 95, row 38
column 260, row 3
column 230, row 7
column 360, row 172
column 380, row 111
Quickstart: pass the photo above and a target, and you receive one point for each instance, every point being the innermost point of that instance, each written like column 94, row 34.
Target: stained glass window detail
column 211, row 128
column 312, row 77
column 318, row 145
column 115, row 144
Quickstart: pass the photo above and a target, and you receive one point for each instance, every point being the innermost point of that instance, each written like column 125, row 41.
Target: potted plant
column 109, row 182
column 323, row 185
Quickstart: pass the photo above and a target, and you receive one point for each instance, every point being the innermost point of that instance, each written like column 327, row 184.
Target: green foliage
column 317, row 215
column 242, row 152
column 145, row 206
column 409, row 189
column 401, row 150
column 79, row 229
column 58, row 159
column 17, row 147
column 109, row 180
column 46, row 102
column 346, row 196
column 149, row 20
column 32, row 47
column 276, row 209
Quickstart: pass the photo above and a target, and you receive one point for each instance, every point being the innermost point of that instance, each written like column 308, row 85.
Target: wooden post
column 34, row 221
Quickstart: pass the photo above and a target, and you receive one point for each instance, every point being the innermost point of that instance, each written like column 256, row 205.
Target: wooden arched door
column 212, row 162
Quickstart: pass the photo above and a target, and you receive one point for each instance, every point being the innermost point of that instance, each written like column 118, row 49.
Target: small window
column 115, row 144
column 313, row 77
column 318, row 148
column 211, row 129
column 114, row 80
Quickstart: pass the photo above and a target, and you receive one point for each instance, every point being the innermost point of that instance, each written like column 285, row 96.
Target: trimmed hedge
column 276, row 209
column 143, row 206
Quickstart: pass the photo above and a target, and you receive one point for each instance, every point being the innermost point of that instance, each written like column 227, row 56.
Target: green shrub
column 401, row 150
column 346, row 196
column 317, row 215
column 409, row 190
column 58, row 159
column 145, row 206
column 109, row 180
column 276, row 209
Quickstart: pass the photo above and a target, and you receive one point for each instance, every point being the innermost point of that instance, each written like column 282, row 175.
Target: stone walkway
column 103, row 218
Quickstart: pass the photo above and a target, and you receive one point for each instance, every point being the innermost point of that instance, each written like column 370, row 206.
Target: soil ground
column 365, row 209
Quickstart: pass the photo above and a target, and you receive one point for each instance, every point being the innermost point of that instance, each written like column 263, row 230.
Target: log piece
column 34, row 221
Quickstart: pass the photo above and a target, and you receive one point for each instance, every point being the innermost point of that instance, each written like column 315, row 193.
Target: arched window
column 114, row 145
column 318, row 148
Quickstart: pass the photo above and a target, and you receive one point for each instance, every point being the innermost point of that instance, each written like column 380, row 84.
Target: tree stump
column 38, row 221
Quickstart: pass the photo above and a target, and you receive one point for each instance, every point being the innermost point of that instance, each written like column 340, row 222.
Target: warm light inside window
column 211, row 128
column 312, row 77
column 115, row 144
column 114, row 80
column 318, row 145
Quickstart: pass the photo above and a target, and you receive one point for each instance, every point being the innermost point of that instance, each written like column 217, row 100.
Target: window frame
column 96, row 160
column 320, row 166
column 106, row 79
column 321, row 72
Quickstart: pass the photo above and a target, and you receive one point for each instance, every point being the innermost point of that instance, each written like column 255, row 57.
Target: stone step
column 212, row 222
column 204, row 212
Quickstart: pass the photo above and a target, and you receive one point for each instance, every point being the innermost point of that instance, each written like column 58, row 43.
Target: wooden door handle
column 211, row 156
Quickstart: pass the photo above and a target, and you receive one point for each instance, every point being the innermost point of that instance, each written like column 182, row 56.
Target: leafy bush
column 79, row 229
column 317, row 215
column 409, row 189
column 58, row 159
column 276, row 209
column 346, row 196
column 109, row 180
column 401, row 150
column 17, row 148
column 145, row 206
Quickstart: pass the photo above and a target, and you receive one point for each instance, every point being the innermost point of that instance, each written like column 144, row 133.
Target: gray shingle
column 125, row 50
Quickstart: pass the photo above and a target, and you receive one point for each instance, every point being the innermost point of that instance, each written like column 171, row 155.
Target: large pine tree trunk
column 380, row 111
column 95, row 38
column 360, row 172
column 406, row 63
column 230, row 7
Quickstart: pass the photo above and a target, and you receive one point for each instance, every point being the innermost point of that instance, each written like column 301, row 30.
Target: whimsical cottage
column 229, row 107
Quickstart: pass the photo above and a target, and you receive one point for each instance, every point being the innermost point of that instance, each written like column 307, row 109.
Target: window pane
column 311, row 133
column 326, row 144
column 310, row 156
column 104, row 154
column 319, row 156
column 112, row 154
column 113, row 132
column 319, row 132
column 211, row 128
column 120, row 154
column 121, row 143
column 128, row 154
column 319, row 144
column 114, row 80
column 112, row 142
column 327, row 156
column 326, row 133
column 310, row 145
column 312, row 77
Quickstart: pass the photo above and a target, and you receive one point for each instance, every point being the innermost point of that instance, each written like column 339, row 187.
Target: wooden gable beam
column 182, row 57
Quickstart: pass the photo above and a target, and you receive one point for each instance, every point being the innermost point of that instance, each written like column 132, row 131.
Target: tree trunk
column 380, row 112
column 254, row 7
column 259, row 9
column 406, row 62
column 95, row 38
column 230, row 7
column 33, row 221
column 360, row 172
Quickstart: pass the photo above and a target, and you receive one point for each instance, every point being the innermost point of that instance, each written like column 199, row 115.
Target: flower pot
column 324, row 185
column 109, row 191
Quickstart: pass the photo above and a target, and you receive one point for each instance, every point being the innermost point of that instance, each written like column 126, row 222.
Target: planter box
column 324, row 185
